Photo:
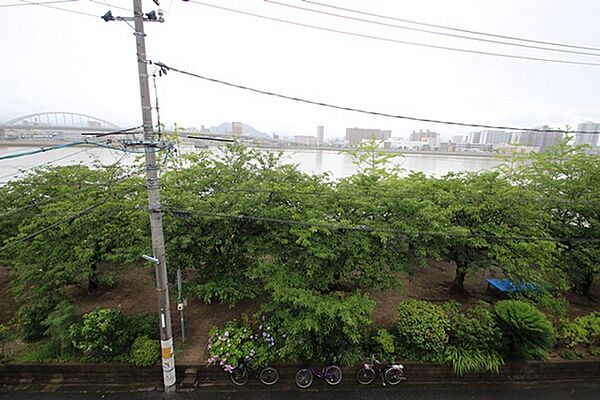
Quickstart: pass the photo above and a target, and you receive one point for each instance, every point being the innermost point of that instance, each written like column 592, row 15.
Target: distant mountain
column 247, row 130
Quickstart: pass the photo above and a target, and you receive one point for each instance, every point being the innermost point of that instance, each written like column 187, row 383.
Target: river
column 338, row 164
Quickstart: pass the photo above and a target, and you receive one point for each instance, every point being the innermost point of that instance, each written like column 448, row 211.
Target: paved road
column 555, row 392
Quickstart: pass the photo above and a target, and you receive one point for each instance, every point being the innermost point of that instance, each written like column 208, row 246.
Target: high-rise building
column 320, row 134
column 429, row 137
column 458, row 139
column 356, row 135
column 474, row 137
column 588, row 138
column 236, row 129
column 541, row 140
column 494, row 137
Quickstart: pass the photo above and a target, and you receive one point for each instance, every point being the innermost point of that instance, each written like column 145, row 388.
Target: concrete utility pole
column 155, row 210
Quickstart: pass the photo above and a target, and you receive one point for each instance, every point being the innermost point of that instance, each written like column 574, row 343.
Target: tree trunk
column 458, row 285
column 93, row 282
column 585, row 285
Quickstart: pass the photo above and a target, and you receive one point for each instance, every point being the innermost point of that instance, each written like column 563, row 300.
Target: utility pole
column 154, row 207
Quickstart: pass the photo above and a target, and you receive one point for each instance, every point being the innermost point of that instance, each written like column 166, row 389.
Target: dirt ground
column 135, row 291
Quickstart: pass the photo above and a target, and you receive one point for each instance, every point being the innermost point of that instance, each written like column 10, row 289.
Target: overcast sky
column 58, row 61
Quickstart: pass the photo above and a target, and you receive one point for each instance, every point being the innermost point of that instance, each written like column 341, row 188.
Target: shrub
column 102, row 334
column 144, row 352
column 382, row 345
column 57, row 325
column 327, row 328
column 422, row 331
column 526, row 331
column 143, row 324
column 30, row 321
column 583, row 330
column 238, row 342
column 475, row 340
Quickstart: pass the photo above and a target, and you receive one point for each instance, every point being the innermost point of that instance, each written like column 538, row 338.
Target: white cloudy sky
column 54, row 60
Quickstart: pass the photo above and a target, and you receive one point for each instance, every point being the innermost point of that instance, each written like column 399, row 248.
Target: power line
column 390, row 40
column 60, row 8
column 520, row 39
column 364, row 228
column 104, row 3
column 432, row 32
column 344, row 108
column 36, row 3
column 338, row 194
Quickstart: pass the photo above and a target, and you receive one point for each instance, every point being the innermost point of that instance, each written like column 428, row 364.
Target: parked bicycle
column 266, row 375
column 332, row 374
column 392, row 374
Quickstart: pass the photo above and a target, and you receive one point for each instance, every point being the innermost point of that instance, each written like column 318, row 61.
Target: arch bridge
column 59, row 121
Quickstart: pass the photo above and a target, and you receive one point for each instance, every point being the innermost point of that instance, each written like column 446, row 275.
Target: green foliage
column 143, row 324
column 527, row 333
column 383, row 345
column 144, row 352
column 422, row 331
column 583, row 330
column 566, row 181
column 475, row 340
column 465, row 360
column 57, row 324
column 102, row 334
column 478, row 203
column 326, row 328
column 31, row 319
column 72, row 251
column 241, row 342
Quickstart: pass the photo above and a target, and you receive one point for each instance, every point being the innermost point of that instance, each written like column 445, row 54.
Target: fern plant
column 527, row 333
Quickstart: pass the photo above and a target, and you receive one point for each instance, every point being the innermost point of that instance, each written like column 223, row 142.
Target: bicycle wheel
column 304, row 378
column 268, row 376
column 333, row 375
column 393, row 376
column 239, row 376
column 364, row 376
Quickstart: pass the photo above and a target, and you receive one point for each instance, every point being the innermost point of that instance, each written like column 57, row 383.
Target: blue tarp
column 507, row 286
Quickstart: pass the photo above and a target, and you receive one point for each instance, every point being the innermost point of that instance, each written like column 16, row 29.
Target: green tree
column 493, row 220
column 50, row 244
column 566, row 180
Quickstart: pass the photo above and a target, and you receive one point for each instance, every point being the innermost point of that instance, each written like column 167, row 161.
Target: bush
column 327, row 328
column 239, row 342
column 57, row 325
column 102, row 334
column 4, row 336
column 382, row 345
column 526, row 331
column 475, row 340
column 583, row 330
column 422, row 331
column 31, row 320
column 143, row 324
column 144, row 352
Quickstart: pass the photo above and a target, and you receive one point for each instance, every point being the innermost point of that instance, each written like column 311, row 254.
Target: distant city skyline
column 58, row 60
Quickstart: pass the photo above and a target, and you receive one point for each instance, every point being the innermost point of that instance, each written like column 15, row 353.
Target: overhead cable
column 36, row 3
column 345, row 108
column 365, row 228
column 391, row 40
column 60, row 8
column 432, row 32
column 520, row 39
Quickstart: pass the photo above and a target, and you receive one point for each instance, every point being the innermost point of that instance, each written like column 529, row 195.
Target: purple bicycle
column 332, row 374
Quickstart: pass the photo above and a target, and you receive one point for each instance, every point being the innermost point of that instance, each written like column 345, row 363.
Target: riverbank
column 48, row 142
